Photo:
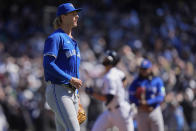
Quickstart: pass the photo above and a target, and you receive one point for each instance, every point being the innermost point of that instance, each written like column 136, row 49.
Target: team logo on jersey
column 145, row 62
column 154, row 89
column 72, row 53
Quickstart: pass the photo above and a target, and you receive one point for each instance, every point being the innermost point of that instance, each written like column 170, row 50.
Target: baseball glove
column 140, row 93
column 81, row 114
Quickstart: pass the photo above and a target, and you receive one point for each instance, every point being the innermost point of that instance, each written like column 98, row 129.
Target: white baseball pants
column 120, row 117
column 152, row 121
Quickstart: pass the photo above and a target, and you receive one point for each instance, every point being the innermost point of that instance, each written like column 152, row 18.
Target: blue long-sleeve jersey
column 154, row 91
column 61, row 58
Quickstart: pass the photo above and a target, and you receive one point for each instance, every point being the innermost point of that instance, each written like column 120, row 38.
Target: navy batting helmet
column 111, row 58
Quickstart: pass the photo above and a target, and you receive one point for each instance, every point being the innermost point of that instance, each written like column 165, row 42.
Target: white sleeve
column 121, row 74
column 109, row 87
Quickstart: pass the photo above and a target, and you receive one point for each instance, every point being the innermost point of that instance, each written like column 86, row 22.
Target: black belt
column 116, row 107
column 65, row 85
column 69, row 86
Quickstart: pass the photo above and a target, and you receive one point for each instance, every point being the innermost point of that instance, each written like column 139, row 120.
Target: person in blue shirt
column 147, row 92
column 61, row 60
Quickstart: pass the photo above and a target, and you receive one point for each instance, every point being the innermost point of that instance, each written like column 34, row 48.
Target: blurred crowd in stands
column 164, row 33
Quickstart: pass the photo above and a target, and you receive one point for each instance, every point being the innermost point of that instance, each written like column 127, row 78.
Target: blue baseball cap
column 146, row 64
column 66, row 8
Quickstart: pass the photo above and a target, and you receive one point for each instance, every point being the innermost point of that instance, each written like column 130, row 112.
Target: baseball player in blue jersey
column 61, row 69
column 147, row 92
